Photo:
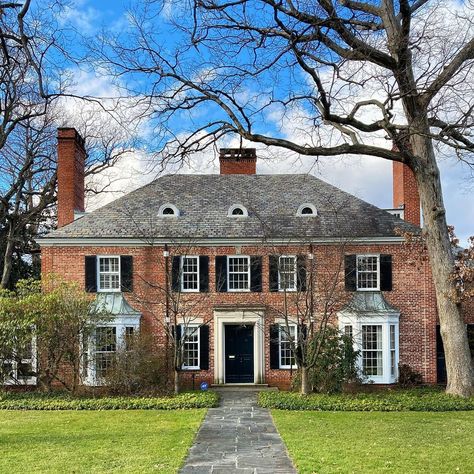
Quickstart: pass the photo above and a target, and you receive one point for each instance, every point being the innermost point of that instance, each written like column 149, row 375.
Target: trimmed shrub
column 64, row 401
column 422, row 399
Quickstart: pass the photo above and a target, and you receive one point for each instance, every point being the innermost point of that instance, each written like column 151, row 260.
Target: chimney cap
column 238, row 153
column 70, row 133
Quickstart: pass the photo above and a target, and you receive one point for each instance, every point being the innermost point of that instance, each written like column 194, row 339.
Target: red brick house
column 236, row 247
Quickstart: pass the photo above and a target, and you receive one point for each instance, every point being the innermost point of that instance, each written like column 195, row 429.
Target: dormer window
column 168, row 210
column 307, row 209
column 237, row 210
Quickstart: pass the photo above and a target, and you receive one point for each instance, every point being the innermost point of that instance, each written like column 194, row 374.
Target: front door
column 239, row 353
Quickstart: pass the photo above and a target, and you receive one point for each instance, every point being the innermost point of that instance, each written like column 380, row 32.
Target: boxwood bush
column 422, row 399
column 63, row 401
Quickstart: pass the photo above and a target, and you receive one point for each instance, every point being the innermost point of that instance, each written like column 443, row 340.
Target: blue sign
column 204, row 386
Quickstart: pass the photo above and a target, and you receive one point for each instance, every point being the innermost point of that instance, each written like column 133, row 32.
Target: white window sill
column 20, row 383
column 238, row 291
column 287, row 290
column 288, row 367
column 190, row 368
column 190, row 291
column 116, row 290
column 368, row 289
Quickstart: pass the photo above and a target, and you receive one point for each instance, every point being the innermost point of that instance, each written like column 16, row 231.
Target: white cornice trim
column 206, row 242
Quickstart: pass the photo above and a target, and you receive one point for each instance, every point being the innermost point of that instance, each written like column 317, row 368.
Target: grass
column 405, row 442
column 418, row 399
column 96, row 441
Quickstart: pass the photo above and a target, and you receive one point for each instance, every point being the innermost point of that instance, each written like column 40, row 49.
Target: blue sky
column 366, row 177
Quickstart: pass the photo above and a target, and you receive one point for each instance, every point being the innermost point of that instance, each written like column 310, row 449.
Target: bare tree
column 351, row 72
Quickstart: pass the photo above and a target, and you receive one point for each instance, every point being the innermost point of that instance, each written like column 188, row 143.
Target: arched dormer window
column 307, row 209
column 168, row 210
column 237, row 210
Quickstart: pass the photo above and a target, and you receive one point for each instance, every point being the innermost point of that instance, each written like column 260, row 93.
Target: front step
column 237, row 387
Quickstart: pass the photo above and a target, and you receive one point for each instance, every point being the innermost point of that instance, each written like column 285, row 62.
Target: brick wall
column 413, row 293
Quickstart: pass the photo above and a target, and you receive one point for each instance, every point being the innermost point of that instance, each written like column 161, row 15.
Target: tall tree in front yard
column 348, row 74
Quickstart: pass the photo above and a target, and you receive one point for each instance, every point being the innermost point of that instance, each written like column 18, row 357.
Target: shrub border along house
column 64, row 401
column 420, row 399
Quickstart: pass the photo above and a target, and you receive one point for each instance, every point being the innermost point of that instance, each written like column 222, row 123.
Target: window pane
column 393, row 362
column 372, row 354
column 191, row 346
column 109, row 273
column 367, row 272
column 238, row 273
column 287, row 273
column 190, row 273
column 287, row 358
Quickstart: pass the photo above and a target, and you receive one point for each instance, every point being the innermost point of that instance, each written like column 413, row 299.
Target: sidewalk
column 238, row 437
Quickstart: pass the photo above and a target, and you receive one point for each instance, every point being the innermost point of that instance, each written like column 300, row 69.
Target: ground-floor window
column 20, row 368
column 103, row 345
column 190, row 346
column 287, row 339
column 377, row 340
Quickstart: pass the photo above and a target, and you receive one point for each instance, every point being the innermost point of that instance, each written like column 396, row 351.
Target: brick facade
column 413, row 293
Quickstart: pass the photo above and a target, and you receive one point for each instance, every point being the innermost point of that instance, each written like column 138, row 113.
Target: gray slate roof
column 204, row 200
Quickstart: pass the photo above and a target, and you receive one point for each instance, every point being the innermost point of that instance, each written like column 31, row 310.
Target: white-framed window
column 393, row 351
column 376, row 337
column 103, row 345
column 168, row 210
column 108, row 273
column 287, row 279
column 105, row 340
column 189, row 274
column 238, row 273
column 287, row 337
column 190, row 345
column 307, row 209
column 21, row 368
column 237, row 210
column 372, row 350
column 368, row 272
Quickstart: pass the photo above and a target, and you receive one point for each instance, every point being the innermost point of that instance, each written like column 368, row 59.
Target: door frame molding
column 239, row 316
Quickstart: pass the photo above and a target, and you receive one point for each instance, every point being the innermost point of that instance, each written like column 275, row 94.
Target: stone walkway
column 238, row 437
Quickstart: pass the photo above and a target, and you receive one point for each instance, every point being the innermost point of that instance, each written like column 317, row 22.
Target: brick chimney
column 238, row 160
column 405, row 192
column 71, row 165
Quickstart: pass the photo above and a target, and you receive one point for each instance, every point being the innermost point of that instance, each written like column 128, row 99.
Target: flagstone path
column 238, row 437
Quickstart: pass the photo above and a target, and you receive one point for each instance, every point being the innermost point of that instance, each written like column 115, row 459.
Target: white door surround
column 235, row 315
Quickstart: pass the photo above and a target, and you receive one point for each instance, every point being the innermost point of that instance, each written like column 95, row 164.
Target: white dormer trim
column 162, row 208
column 311, row 206
column 232, row 208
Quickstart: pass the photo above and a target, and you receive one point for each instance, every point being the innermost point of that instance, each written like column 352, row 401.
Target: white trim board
column 205, row 242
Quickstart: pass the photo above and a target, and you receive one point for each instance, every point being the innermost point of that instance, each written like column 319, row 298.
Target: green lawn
column 353, row 442
column 96, row 441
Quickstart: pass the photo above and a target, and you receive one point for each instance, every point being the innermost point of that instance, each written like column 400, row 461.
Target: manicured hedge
column 41, row 401
column 396, row 400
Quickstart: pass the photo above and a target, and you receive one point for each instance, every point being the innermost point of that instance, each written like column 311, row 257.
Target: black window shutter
column 204, row 347
column 273, row 272
column 126, row 273
column 204, row 273
column 91, row 273
column 274, row 346
column 385, row 272
column 221, row 274
column 256, row 274
column 301, row 272
column 175, row 271
column 177, row 333
column 350, row 274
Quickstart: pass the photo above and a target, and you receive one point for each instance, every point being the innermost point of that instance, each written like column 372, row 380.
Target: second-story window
column 368, row 270
column 287, row 273
column 238, row 274
column 189, row 273
column 108, row 273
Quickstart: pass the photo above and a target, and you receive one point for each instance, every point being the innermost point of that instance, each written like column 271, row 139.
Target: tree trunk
column 305, row 388
column 176, row 381
column 7, row 258
column 459, row 367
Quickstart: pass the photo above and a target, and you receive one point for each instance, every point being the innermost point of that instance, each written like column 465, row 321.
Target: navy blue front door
column 239, row 353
